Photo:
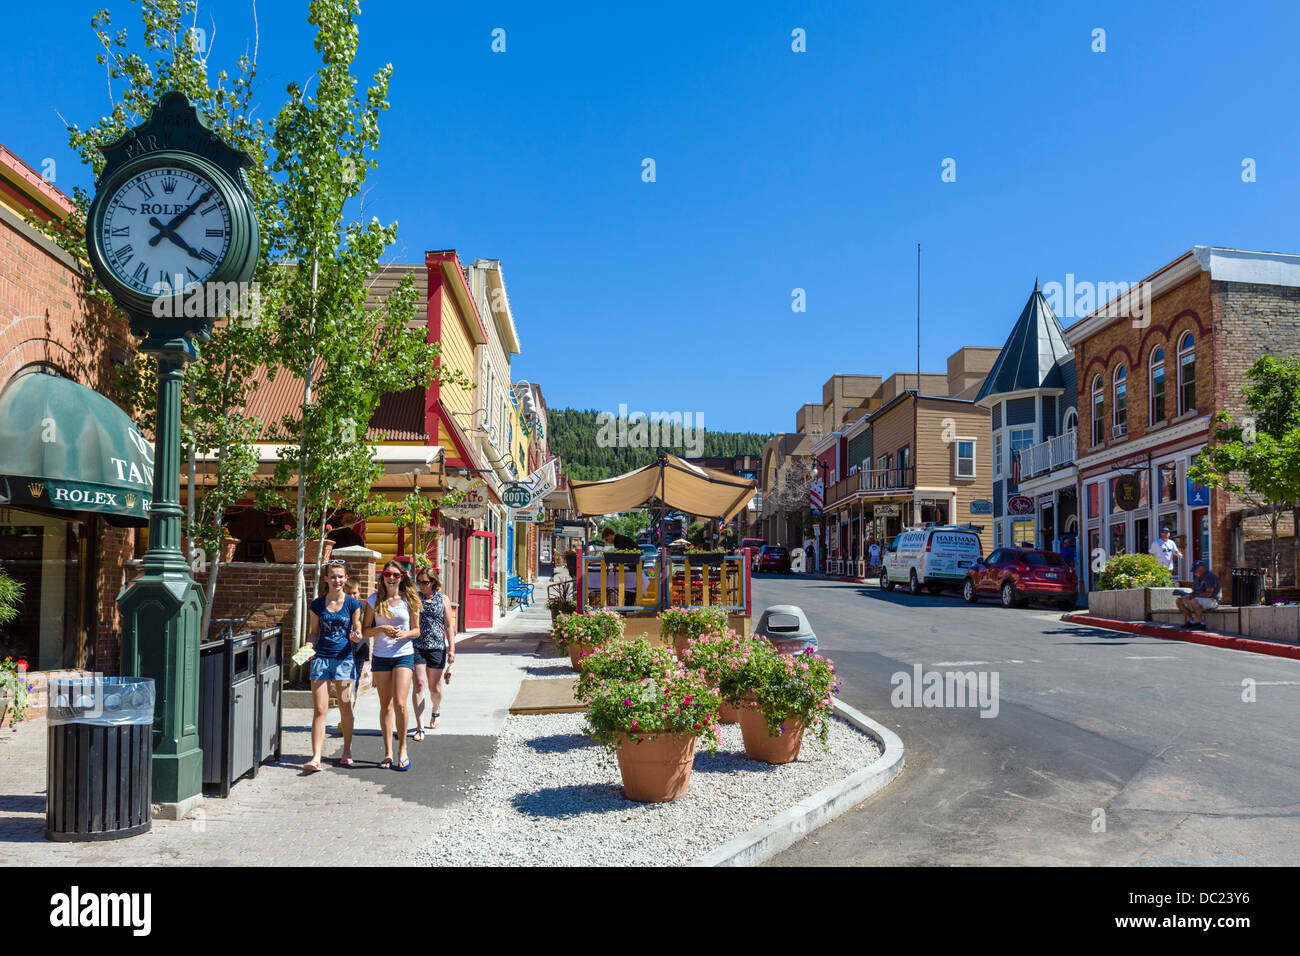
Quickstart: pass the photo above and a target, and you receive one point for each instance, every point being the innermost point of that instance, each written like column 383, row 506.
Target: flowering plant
column 13, row 678
column 562, row 604
column 785, row 687
column 286, row 533
column 719, row 656
column 692, row 622
column 677, row 701
column 593, row 628
column 627, row 660
column 1134, row 571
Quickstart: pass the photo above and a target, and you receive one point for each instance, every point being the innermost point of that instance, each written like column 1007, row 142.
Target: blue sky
column 775, row 170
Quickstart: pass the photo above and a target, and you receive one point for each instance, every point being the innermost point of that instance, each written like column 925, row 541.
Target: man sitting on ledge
column 1205, row 596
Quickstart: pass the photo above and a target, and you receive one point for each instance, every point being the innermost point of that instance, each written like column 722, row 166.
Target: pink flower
column 627, row 702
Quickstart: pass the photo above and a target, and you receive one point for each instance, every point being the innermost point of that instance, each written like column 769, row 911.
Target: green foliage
column 630, row 523
column 720, row 656
column 1134, row 571
column 1260, row 458
column 631, row 660
column 18, row 687
column 11, row 596
column 786, row 687
column 692, row 622
column 573, row 439
column 592, row 628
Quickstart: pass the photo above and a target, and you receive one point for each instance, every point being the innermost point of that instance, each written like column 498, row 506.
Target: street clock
column 172, row 217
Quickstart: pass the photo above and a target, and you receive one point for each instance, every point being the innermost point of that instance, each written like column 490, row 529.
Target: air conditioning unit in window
column 1119, row 430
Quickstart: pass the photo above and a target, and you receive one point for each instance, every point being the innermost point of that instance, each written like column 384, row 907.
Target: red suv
column 1019, row 576
column 773, row 558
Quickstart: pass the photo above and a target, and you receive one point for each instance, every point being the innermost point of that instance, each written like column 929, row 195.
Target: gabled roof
column 1032, row 354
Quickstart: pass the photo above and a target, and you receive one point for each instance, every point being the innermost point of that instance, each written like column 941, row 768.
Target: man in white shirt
column 1166, row 549
column 874, row 552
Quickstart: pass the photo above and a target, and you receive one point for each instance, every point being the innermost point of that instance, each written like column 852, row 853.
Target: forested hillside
column 576, row 436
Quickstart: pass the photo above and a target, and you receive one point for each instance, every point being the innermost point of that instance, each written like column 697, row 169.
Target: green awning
column 65, row 446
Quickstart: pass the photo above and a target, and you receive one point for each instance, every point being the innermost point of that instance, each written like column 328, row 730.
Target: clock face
column 165, row 230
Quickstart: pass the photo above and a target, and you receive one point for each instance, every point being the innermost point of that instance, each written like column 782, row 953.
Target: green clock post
column 172, row 234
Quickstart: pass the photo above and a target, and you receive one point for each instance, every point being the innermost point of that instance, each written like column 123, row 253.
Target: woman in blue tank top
column 335, row 628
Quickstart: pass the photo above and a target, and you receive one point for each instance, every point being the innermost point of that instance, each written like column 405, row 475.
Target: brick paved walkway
column 357, row 815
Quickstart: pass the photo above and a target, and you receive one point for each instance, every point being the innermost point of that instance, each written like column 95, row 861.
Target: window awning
column 674, row 481
column 65, row 446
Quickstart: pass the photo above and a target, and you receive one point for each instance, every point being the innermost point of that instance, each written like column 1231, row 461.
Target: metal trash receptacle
column 269, row 671
column 786, row 627
column 99, row 761
column 1247, row 587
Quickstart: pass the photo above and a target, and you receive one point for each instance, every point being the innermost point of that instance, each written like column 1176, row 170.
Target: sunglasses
column 392, row 574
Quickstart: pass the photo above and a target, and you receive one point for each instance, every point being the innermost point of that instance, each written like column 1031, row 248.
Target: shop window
column 997, row 455
column 1157, row 385
column 1094, row 499
column 1187, row 374
column 1167, row 482
column 1022, row 533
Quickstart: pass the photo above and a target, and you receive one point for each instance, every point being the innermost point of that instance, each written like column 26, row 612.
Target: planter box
column 711, row 559
column 625, row 559
column 1129, row 604
column 6, row 699
column 1272, row 623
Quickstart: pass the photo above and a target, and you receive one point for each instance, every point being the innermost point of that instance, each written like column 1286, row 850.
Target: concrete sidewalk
column 338, row 816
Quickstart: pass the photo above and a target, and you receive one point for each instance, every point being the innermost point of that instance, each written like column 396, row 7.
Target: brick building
column 1153, row 368
column 54, row 342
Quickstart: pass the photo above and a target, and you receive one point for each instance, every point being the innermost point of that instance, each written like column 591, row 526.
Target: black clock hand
column 153, row 221
column 180, row 217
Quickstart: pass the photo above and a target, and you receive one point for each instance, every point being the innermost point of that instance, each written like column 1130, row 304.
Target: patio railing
column 719, row 581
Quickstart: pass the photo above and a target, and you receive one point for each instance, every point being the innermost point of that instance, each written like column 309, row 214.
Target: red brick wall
column 44, row 317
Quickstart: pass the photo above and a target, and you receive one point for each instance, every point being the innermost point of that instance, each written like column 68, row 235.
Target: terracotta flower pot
column 657, row 769
column 285, row 550
column 728, row 714
column 228, row 546
column 679, row 643
column 783, row 748
column 575, row 653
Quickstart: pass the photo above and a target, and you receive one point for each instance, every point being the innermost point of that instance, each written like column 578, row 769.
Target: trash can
column 1247, row 586
column 786, row 627
column 99, row 763
column 227, row 709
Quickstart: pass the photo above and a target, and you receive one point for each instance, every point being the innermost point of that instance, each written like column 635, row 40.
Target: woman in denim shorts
column 392, row 619
column 335, row 626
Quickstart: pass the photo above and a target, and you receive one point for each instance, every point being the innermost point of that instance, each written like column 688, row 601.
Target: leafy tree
column 631, row 523
column 220, row 384
column 1259, row 456
column 346, row 353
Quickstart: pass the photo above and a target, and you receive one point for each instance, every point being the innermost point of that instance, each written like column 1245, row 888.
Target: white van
column 935, row 558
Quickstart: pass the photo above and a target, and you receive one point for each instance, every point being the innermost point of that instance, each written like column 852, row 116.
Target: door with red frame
column 480, row 579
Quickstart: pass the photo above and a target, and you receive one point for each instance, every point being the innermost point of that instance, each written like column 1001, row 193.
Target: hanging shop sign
column 981, row 506
column 474, row 504
column 885, row 511
column 1020, row 505
column 1128, row 492
column 516, row 495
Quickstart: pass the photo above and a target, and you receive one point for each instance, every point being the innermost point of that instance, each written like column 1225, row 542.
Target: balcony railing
column 1047, row 455
column 872, row 481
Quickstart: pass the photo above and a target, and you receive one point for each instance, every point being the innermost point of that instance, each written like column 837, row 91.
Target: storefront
column 76, row 472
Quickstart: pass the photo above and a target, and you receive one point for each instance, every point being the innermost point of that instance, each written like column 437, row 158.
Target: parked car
column 1019, row 575
column 936, row 558
column 755, row 543
column 772, row 557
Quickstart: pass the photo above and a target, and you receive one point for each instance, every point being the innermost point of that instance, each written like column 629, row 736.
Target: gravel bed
column 546, row 801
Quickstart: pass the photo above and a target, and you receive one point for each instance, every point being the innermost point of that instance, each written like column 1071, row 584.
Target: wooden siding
column 457, row 353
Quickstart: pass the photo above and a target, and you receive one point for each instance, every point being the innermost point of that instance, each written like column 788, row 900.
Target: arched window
column 1098, row 411
column 1071, row 420
column 1187, row 374
column 1157, row 385
column 1120, row 404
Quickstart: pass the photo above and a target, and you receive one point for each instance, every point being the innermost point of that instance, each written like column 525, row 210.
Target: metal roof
column 1032, row 355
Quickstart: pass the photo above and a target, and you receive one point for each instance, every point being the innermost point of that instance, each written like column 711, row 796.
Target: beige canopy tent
column 673, row 482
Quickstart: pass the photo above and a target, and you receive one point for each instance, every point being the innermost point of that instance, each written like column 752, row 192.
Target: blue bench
column 517, row 590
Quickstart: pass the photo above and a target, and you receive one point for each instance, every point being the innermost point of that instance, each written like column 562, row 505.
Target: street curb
column 790, row 826
column 1250, row 644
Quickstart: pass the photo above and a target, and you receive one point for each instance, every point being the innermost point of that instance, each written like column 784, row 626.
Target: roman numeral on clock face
column 124, row 254
column 214, row 233
column 148, row 193
column 141, row 272
column 122, row 231
column 207, row 209
column 208, row 255
column 191, row 272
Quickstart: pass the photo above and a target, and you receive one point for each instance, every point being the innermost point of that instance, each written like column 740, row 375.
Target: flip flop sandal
column 405, row 765
column 418, row 735
column 311, row 768
column 346, row 762
column 386, row 763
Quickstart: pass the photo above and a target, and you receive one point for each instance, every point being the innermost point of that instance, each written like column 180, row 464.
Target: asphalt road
column 1148, row 737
